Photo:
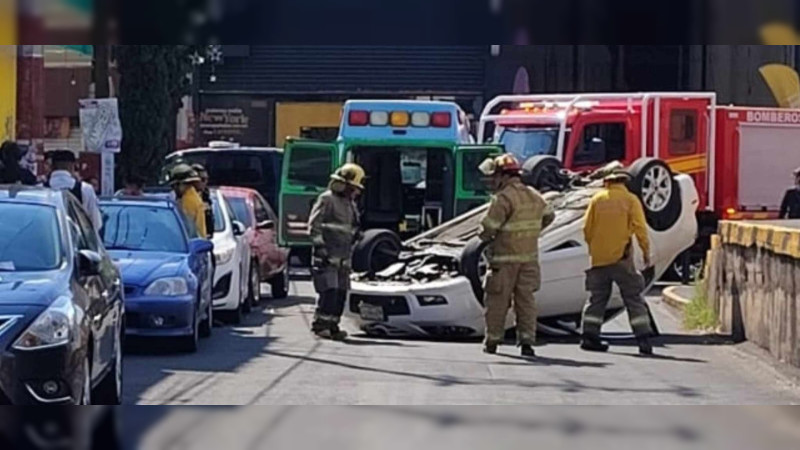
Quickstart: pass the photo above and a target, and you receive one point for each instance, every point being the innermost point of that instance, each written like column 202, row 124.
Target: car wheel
column 279, row 284
column 237, row 315
column 475, row 266
column 543, row 172
column 653, row 182
column 207, row 325
column 377, row 250
column 109, row 392
column 189, row 344
column 255, row 282
column 86, row 392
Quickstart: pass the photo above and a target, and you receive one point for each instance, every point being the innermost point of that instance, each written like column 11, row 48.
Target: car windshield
column 525, row 142
column 241, row 211
column 29, row 238
column 142, row 228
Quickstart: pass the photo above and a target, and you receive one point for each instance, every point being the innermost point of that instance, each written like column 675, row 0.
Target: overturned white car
column 434, row 287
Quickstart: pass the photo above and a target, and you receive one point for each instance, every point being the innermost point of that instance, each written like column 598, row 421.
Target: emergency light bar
column 399, row 119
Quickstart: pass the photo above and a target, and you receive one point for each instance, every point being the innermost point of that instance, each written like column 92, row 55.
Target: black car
column 61, row 303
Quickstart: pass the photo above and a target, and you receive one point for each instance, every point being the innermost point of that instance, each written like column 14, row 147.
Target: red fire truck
column 741, row 158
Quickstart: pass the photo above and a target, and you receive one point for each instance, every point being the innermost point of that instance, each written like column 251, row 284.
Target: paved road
column 273, row 359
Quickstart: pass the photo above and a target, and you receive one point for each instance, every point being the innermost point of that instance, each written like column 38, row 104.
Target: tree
column 153, row 80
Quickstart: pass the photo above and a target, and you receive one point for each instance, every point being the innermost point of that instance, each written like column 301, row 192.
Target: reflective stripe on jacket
column 613, row 217
column 333, row 225
column 513, row 224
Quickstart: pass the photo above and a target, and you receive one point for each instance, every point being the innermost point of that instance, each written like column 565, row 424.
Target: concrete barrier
column 753, row 281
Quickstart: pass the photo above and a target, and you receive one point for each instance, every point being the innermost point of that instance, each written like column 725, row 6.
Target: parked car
column 233, row 292
column 230, row 164
column 269, row 259
column 166, row 273
column 61, row 303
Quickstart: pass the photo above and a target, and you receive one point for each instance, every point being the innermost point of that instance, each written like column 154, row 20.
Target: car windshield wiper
column 124, row 247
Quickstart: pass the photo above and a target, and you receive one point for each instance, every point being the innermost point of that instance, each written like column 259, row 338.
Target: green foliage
column 698, row 315
column 153, row 79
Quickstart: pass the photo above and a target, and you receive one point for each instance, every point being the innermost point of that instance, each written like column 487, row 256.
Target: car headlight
column 224, row 256
column 431, row 300
column 167, row 287
column 54, row 327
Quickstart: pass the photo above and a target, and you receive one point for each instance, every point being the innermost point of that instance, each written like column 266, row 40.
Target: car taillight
column 358, row 118
column 441, row 119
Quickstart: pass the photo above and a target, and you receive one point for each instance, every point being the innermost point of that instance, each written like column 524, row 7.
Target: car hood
column 140, row 268
column 32, row 288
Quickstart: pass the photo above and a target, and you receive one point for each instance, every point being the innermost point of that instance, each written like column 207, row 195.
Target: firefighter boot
column 645, row 347
column 490, row 349
column 337, row 334
column 527, row 351
column 593, row 344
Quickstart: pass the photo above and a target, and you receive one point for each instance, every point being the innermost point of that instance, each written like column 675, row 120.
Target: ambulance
column 741, row 158
column 421, row 164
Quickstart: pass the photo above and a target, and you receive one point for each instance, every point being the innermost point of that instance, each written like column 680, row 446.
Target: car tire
column 653, row 182
column 474, row 266
column 109, row 391
column 279, row 285
column 207, row 325
column 237, row 315
column 190, row 344
column 543, row 173
column 377, row 250
column 249, row 297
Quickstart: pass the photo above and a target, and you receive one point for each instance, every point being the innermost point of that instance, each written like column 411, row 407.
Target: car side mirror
column 266, row 225
column 89, row 263
column 238, row 228
column 200, row 246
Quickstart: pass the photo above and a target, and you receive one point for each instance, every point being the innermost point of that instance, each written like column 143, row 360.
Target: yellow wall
column 291, row 117
column 8, row 91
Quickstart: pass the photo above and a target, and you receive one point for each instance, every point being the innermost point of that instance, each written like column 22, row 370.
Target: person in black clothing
column 790, row 207
column 10, row 170
column 205, row 194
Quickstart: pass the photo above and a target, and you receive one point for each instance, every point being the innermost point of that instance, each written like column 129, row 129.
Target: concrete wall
column 8, row 91
column 754, row 283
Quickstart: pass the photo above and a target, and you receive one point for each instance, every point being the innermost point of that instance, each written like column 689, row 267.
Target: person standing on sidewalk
column 790, row 206
column 334, row 228
column 62, row 177
column 512, row 226
column 613, row 218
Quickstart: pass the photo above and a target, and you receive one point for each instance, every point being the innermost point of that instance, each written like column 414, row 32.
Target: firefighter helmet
column 351, row 174
column 505, row 164
column 617, row 176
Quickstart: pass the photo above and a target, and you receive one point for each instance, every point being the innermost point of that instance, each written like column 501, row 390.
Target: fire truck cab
column 740, row 158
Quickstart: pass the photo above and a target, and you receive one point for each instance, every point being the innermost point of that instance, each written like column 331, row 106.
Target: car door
column 276, row 256
column 104, row 292
column 307, row 166
column 199, row 263
column 470, row 190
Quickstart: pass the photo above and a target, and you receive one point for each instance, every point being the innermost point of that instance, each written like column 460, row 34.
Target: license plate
column 372, row 313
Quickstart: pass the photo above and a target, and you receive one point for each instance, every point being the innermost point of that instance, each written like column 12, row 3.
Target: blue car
column 166, row 273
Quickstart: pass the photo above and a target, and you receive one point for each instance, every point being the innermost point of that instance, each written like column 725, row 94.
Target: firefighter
column 790, row 207
column 614, row 216
column 182, row 179
column 512, row 226
column 202, row 188
column 334, row 228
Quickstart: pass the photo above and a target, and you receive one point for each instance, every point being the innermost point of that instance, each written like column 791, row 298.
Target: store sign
column 234, row 118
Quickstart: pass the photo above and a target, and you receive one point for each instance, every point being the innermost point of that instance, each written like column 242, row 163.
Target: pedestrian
column 11, row 170
column 62, row 176
column 95, row 183
column 334, row 229
column 202, row 189
column 790, row 207
column 134, row 187
column 512, row 226
column 613, row 218
column 182, row 180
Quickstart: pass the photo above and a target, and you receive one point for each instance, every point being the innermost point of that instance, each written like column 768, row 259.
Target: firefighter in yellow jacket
column 614, row 216
column 512, row 227
column 334, row 228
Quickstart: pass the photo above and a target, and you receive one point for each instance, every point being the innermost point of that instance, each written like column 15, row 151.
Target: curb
column 672, row 298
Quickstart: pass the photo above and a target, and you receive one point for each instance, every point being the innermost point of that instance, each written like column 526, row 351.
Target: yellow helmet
column 351, row 174
column 505, row 163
